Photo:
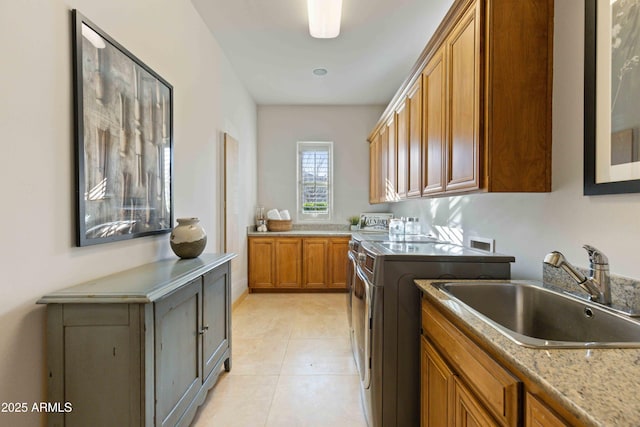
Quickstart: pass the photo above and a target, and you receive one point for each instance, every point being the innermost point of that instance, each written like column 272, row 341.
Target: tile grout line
column 275, row 390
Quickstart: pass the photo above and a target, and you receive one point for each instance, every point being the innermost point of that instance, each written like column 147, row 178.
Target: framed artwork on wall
column 123, row 113
column 612, row 89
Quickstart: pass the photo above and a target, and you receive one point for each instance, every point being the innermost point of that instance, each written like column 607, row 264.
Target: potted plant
column 355, row 222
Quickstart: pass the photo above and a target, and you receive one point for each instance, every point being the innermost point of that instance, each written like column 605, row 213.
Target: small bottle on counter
column 396, row 229
column 261, row 221
column 412, row 226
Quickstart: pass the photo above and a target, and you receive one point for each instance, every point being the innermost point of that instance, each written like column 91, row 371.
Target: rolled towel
column 285, row 214
column 273, row 214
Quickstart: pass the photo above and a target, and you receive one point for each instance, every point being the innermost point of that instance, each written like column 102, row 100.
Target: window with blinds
column 315, row 171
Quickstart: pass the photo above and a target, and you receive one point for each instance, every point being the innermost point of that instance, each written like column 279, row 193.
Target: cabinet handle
column 204, row 329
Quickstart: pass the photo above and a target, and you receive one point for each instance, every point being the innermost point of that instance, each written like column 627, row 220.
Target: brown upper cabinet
column 374, row 170
column 475, row 112
column 378, row 168
column 383, row 153
column 463, row 108
column 414, row 109
column 391, row 182
column 434, row 140
column 402, row 150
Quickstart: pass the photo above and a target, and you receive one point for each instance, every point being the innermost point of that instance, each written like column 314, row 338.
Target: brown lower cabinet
column 537, row 414
column 297, row 263
column 463, row 385
column 468, row 410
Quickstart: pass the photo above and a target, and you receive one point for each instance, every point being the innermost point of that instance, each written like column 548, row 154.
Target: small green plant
column 354, row 220
column 314, row 206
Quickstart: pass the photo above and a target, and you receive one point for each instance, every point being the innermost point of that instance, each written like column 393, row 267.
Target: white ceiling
column 269, row 46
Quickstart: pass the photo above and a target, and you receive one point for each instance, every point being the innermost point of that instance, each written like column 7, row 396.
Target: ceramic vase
column 188, row 239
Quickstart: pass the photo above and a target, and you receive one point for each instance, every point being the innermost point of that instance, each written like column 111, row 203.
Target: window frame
column 314, row 217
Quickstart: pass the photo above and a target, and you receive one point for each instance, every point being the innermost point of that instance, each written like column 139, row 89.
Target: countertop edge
column 299, row 233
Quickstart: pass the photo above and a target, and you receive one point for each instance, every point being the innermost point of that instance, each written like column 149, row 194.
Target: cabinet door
column 436, row 389
column 414, row 169
column 492, row 384
column 216, row 318
column 463, row 56
column 469, row 412
column 374, row 168
column 338, row 249
column 315, row 263
column 402, row 150
column 537, row 414
column 433, row 122
column 261, row 263
column 178, row 352
column 383, row 153
column 391, row 185
column 98, row 365
column 288, row 255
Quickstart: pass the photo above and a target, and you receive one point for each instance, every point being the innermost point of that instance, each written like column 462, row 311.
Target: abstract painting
column 124, row 140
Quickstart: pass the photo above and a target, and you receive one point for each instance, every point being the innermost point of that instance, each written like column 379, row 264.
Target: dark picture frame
column 611, row 153
column 123, row 113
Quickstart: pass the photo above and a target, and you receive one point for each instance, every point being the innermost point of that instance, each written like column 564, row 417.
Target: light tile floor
column 291, row 366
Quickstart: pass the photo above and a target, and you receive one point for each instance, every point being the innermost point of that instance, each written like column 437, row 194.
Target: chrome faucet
column 598, row 285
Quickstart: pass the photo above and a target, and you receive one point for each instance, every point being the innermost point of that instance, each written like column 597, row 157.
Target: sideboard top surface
column 144, row 284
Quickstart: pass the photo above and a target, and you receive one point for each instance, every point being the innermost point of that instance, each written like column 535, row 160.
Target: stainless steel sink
column 535, row 316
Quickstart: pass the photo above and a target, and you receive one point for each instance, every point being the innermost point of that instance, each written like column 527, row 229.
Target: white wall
column 530, row 225
column 36, row 118
column 280, row 127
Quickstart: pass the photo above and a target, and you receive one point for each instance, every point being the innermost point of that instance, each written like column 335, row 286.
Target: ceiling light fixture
column 320, row 71
column 324, row 18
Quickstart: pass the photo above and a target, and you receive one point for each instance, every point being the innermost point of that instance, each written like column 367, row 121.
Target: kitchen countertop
column 600, row 387
column 300, row 233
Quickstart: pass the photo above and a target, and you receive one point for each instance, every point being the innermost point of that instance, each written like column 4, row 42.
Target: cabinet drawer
column 95, row 314
column 493, row 385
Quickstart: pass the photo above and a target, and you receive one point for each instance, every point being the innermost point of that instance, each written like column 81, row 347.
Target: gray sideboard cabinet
column 141, row 347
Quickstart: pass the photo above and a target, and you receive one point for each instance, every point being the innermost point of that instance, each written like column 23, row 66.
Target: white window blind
column 315, row 180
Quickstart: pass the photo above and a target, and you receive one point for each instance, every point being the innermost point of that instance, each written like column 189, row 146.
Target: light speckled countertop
column 305, row 230
column 300, row 233
column 600, row 387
